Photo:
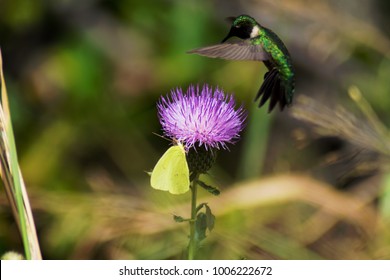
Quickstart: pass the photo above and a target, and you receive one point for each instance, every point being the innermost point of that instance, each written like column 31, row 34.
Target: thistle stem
column 192, row 246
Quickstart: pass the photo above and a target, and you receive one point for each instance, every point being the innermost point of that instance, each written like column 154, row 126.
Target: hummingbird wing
column 274, row 88
column 239, row 50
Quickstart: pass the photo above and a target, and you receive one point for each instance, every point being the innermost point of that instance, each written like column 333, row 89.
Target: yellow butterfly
column 171, row 172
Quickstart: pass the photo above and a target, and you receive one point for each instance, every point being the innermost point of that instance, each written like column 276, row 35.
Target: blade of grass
column 255, row 145
column 13, row 180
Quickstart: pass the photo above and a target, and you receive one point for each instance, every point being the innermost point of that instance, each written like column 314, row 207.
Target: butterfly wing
column 180, row 172
column 239, row 50
column 171, row 172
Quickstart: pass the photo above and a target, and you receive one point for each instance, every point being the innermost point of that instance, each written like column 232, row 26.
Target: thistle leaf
column 200, row 227
column 210, row 189
column 210, row 218
column 178, row 219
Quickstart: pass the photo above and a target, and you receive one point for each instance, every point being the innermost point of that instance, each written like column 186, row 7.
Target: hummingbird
column 258, row 43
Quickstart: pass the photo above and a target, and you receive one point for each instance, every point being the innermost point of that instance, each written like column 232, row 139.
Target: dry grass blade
column 367, row 134
column 113, row 218
column 12, row 178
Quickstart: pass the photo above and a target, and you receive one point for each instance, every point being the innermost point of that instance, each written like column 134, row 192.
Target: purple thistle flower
column 205, row 117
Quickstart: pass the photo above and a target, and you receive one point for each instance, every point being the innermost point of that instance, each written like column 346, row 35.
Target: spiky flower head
column 204, row 118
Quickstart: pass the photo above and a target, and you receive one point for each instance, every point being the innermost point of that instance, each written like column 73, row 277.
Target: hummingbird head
column 243, row 27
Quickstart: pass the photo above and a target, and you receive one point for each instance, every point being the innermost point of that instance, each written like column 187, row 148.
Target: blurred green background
column 83, row 79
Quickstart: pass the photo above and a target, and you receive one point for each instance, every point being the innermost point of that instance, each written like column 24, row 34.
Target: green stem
column 192, row 247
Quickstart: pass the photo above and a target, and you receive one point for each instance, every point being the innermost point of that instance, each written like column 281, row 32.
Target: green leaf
column 210, row 218
column 200, row 206
column 204, row 221
column 210, row 189
column 200, row 227
column 179, row 219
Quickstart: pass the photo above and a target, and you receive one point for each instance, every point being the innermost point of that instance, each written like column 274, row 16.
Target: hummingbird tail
column 273, row 89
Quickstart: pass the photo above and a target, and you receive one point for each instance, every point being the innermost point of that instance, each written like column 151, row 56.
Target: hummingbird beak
column 231, row 34
column 225, row 39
